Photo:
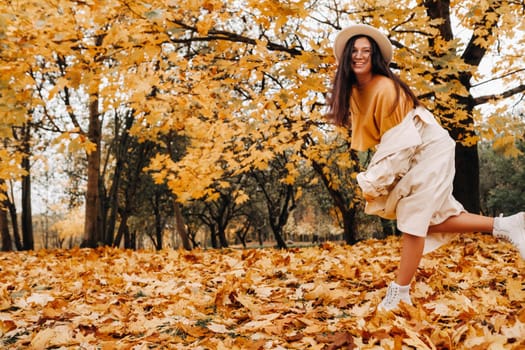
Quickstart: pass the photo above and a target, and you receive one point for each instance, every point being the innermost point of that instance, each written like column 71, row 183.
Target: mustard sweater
column 371, row 111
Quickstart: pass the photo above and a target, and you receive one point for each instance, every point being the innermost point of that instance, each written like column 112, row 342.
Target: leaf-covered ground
column 467, row 295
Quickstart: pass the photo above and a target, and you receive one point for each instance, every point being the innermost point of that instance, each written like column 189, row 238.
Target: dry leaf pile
column 467, row 295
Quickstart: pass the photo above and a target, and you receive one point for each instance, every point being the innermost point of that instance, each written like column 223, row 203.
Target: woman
column 411, row 173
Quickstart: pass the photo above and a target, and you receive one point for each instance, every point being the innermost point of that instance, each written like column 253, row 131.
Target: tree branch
column 229, row 36
column 497, row 78
column 484, row 99
column 474, row 52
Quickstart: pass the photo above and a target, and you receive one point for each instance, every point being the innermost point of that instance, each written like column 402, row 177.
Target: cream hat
column 362, row 29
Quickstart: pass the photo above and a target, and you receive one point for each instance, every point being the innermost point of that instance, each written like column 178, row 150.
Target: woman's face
column 362, row 57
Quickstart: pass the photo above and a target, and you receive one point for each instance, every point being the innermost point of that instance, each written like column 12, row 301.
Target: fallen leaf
column 109, row 298
column 515, row 290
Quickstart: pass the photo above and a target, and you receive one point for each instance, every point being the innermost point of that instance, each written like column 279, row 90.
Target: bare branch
column 495, row 97
column 497, row 78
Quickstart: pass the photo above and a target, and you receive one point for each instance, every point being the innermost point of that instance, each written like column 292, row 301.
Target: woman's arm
column 381, row 176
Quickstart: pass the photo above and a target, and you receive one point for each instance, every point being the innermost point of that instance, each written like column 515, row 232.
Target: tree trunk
column 7, row 244
column 348, row 214
column 181, row 227
column 14, row 223
column 241, row 234
column 466, row 181
column 222, row 223
column 121, row 229
column 92, row 231
column 277, row 222
column 159, row 227
column 129, row 241
column 281, row 244
column 27, row 216
column 122, row 144
column 213, row 238
column 349, row 225
column 222, row 237
column 112, row 206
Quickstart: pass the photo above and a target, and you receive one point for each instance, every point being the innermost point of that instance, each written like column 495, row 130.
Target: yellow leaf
column 515, row 290
column 205, row 24
column 241, row 197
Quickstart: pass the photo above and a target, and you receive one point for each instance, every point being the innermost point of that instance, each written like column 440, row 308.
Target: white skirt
column 423, row 197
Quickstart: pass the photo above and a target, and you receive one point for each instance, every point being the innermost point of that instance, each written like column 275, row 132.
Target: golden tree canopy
column 243, row 81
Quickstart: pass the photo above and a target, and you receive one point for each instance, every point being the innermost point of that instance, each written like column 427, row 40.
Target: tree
column 4, row 226
column 488, row 21
column 278, row 191
column 23, row 137
column 132, row 193
column 501, row 182
column 80, row 61
column 280, row 94
column 243, row 83
column 502, row 166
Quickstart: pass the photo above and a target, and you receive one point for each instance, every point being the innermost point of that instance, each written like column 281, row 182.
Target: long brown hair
column 345, row 78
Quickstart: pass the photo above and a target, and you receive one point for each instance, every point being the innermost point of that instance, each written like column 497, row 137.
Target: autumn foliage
column 242, row 83
column 213, row 99
column 467, row 295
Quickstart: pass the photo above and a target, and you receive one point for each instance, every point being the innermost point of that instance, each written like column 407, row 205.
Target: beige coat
column 410, row 177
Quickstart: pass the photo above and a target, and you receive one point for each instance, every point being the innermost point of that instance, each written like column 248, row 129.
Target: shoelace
column 506, row 238
column 392, row 294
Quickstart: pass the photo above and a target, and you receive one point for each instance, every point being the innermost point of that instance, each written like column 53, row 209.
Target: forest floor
column 469, row 294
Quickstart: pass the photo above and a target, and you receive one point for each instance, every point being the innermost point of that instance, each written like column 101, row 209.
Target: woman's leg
column 411, row 253
column 511, row 228
column 464, row 222
column 412, row 246
column 399, row 291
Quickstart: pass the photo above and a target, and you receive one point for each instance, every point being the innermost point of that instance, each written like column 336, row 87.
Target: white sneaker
column 394, row 295
column 512, row 229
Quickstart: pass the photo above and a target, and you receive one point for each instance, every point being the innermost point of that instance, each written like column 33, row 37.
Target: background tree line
column 502, row 185
column 208, row 115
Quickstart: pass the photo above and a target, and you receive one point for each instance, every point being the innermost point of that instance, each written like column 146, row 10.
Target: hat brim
column 362, row 29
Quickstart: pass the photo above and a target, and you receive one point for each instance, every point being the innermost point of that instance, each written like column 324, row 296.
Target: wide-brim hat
column 362, row 29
